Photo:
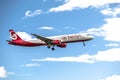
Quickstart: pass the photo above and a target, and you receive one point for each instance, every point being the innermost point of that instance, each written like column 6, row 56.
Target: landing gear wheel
column 48, row 47
column 83, row 43
column 53, row 49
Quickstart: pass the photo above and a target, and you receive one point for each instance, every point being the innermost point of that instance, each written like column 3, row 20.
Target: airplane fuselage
column 66, row 38
column 60, row 41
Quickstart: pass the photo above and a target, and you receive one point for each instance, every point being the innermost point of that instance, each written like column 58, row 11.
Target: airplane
column 59, row 41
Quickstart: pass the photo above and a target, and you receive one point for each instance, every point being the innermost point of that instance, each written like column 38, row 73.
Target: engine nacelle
column 62, row 45
column 57, row 42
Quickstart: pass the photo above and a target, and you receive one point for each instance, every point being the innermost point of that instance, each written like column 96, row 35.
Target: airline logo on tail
column 14, row 36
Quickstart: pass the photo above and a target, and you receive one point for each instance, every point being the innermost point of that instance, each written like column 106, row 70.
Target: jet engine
column 57, row 42
column 62, row 45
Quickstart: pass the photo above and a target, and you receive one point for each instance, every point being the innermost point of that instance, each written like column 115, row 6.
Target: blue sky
column 98, row 60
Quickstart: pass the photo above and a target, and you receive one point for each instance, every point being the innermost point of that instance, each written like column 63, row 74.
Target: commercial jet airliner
column 50, row 42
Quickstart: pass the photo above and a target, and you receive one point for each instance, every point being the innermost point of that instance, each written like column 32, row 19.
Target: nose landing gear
column 84, row 43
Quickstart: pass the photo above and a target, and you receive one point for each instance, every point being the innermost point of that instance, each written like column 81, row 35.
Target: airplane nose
column 91, row 37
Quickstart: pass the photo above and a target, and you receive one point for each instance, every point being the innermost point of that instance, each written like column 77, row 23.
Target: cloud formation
column 112, row 45
column 46, row 28
column 82, row 58
column 110, row 55
column 110, row 30
column 113, row 12
column 33, row 13
column 3, row 72
column 81, row 4
column 113, row 77
column 31, row 65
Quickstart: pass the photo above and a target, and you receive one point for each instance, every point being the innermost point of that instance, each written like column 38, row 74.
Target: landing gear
column 49, row 46
column 53, row 49
column 84, row 43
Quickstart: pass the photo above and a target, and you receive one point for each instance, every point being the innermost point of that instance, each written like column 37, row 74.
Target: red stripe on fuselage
column 26, row 43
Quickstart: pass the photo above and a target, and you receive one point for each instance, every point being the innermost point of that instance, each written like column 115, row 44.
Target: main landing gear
column 53, row 47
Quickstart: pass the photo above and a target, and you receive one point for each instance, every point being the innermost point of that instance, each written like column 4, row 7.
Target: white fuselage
column 50, row 42
column 66, row 38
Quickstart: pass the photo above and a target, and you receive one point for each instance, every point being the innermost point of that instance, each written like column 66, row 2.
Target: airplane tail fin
column 14, row 36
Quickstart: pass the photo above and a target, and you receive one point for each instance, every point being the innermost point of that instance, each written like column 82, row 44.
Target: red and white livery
column 50, row 42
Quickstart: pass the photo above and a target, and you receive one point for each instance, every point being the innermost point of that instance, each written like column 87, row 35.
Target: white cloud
column 25, row 36
column 96, row 31
column 46, row 28
column 33, row 13
column 112, row 45
column 82, row 58
column 75, row 4
column 110, row 30
column 110, row 55
column 3, row 72
column 111, row 12
column 31, row 65
column 113, row 77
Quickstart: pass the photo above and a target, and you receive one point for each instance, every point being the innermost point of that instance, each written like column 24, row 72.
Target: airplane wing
column 46, row 40
column 50, row 42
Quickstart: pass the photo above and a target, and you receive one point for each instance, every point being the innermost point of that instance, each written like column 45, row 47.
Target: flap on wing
column 47, row 40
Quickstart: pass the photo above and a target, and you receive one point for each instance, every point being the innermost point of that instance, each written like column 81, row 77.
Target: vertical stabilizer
column 14, row 36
